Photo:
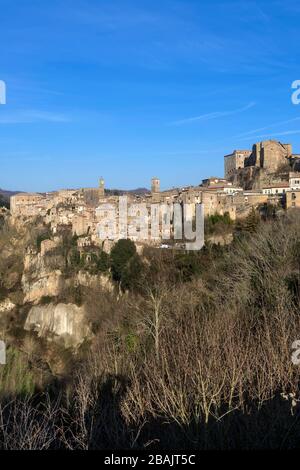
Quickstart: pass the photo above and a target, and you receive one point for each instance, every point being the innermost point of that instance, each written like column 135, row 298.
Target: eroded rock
column 62, row 321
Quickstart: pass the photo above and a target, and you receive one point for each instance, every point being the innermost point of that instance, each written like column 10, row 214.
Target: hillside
column 7, row 194
column 121, row 192
column 191, row 350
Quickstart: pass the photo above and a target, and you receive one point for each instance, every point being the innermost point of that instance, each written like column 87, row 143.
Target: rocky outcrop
column 46, row 285
column 66, row 322
column 85, row 279
column 42, row 275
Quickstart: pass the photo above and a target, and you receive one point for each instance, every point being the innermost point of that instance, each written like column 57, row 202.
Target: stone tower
column 101, row 187
column 271, row 155
column 155, row 185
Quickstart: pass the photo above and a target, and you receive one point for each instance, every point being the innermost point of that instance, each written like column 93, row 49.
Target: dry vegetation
column 196, row 355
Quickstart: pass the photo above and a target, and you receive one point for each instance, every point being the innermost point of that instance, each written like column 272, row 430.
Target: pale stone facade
column 27, row 204
column 294, row 180
column 279, row 188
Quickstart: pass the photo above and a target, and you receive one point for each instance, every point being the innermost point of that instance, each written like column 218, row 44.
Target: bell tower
column 155, row 185
column 101, row 187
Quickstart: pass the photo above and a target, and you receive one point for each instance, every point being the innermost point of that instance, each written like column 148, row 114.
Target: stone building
column 220, row 185
column 101, row 187
column 276, row 188
column 27, row 204
column 294, row 180
column 268, row 163
column 270, row 155
column 155, row 185
column 235, row 161
column 293, row 199
column 254, row 178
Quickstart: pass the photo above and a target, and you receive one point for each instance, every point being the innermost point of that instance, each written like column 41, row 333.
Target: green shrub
column 120, row 255
column 188, row 265
column 218, row 223
column 16, row 378
column 132, row 273
column 103, row 262
column 45, row 300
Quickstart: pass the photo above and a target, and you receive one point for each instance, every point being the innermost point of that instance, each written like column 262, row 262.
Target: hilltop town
column 150, row 229
column 267, row 175
column 52, row 243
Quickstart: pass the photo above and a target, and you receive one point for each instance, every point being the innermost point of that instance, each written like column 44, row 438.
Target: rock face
column 85, row 279
column 47, row 285
column 65, row 322
column 42, row 276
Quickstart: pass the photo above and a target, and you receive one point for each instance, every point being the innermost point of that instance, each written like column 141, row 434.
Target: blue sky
column 129, row 89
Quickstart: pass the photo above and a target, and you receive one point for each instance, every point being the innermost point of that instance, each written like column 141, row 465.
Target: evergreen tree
column 120, row 255
column 251, row 221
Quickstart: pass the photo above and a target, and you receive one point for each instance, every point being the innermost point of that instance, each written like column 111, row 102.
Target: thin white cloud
column 32, row 116
column 272, row 134
column 214, row 115
column 281, row 123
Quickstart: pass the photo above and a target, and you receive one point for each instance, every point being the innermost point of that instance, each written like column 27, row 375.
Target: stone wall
column 269, row 155
column 234, row 162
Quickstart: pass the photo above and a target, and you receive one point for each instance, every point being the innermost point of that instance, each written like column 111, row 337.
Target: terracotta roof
column 278, row 185
column 29, row 194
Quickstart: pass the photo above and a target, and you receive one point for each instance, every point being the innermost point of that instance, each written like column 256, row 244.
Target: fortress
column 263, row 165
column 266, row 175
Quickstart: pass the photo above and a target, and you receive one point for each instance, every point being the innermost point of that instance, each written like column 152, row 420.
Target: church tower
column 101, row 187
column 155, row 185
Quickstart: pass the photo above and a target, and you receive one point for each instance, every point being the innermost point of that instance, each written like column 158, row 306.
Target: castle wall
column 265, row 165
column 273, row 155
column 234, row 162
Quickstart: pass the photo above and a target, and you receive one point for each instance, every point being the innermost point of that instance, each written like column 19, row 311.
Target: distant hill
column 4, row 200
column 121, row 192
column 140, row 191
column 6, row 194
